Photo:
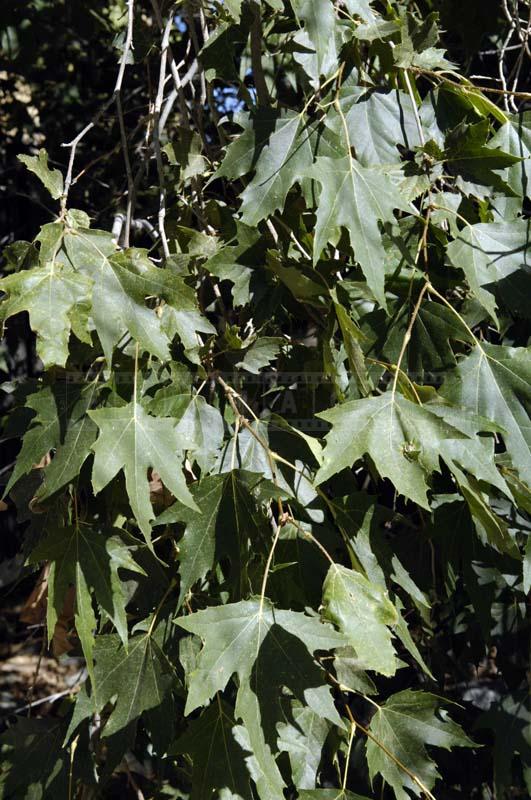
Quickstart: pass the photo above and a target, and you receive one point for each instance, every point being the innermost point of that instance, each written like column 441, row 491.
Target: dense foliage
column 276, row 453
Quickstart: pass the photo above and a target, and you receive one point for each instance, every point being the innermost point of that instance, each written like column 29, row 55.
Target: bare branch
column 128, row 45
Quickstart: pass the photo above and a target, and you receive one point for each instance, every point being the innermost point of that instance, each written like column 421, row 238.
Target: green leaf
column 59, row 423
column 428, row 348
column 515, row 138
column 71, row 453
column 218, row 760
column 89, row 560
column 253, row 639
column 225, row 265
column 417, row 44
column 364, row 613
column 303, row 739
column 495, row 381
column 281, row 163
column 404, row 725
column 356, row 198
column 139, row 677
column 510, row 721
column 470, row 155
column 133, row 441
column 261, row 353
column 349, row 672
column 53, row 295
column 403, row 439
column 201, row 430
column 488, row 253
column 233, row 635
column 227, row 522
column 122, row 284
column 377, row 122
column 51, row 178
column 319, row 34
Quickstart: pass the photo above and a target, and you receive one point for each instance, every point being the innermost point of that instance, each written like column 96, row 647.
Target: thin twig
column 156, row 133
column 95, row 120
column 130, row 180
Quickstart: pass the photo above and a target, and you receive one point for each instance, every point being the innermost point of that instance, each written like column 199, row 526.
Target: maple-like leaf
column 355, row 198
column 88, row 559
column 268, row 649
column 219, row 761
column 495, row 381
column 403, row 439
column 228, row 521
column 133, row 441
column 319, row 34
column 201, row 429
column 377, row 122
column 52, row 179
column 282, row 162
column 60, row 423
column 303, row 739
column 123, row 282
column 489, row 252
column 514, row 137
column 34, row 763
column 139, row 677
column 364, row 613
column 53, row 295
column 404, row 725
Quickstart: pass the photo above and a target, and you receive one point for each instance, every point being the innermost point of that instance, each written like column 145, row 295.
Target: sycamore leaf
column 75, row 447
column 269, row 650
column 403, row 439
column 319, row 33
column 225, row 265
column 201, row 429
column 356, row 198
column 52, row 294
column 60, row 423
column 428, row 348
column 51, row 178
column 349, row 672
column 417, row 43
column 139, row 677
column 280, row 150
column 364, row 613
column 378, row 122
column 88, row 559
column 228, row 521
column 489, row 252
column 303, row 739
column 281, row 163
column 122, row 284
column 133, row 441
column 470, row 156
column 261, row 353
column 404, row 725
column 510, row 720
column 233, row 635
column 495, row 381
column 515, row 138
column 218, row 759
